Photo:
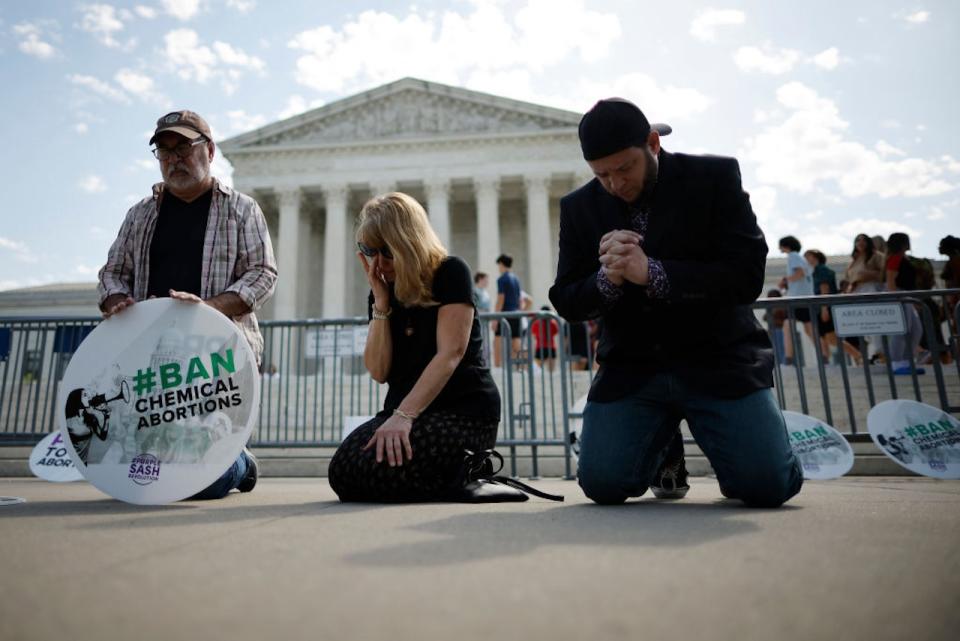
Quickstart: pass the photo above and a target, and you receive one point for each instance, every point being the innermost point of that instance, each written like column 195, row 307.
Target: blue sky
column 843, row 114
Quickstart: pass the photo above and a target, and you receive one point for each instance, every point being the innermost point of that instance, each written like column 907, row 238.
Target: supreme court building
column 488, row 170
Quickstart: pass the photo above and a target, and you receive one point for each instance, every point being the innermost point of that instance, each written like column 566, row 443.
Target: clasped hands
column 623, row 258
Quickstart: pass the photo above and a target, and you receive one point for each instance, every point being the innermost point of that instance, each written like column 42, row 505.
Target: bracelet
column 410, row 417
column 378, row 315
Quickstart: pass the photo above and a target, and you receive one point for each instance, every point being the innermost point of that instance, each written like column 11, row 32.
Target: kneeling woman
column 425, row 342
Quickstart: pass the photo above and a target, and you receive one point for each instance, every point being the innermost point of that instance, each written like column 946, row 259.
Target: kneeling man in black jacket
column 664, row 249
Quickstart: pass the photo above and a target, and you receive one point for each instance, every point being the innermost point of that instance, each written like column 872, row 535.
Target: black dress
column 464, row 415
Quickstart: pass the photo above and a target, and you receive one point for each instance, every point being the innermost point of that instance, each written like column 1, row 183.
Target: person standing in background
column 797, row 282
column 865, row 273
column 508, row 300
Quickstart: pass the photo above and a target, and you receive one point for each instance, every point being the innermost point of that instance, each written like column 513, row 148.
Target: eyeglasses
column 370, row 252
column 182, row 150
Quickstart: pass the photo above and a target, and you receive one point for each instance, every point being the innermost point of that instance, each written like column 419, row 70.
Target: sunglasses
column 370, row 252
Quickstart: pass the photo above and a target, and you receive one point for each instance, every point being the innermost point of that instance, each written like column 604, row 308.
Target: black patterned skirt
column 438, row 440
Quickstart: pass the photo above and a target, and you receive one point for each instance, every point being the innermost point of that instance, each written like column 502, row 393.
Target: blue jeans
column 230, row 479
column 745, row 439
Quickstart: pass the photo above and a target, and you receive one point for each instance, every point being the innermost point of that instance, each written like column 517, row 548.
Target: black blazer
column 703, row 231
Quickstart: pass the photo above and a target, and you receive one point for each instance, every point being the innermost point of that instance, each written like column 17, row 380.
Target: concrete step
column 313, row 462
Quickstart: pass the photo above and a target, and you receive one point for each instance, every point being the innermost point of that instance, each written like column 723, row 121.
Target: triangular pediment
column 406, row 109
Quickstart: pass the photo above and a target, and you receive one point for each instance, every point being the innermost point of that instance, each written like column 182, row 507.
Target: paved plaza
column 856, row 558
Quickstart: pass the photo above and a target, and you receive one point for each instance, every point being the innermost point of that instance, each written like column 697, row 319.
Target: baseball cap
column 613, row 124
column 186, row 123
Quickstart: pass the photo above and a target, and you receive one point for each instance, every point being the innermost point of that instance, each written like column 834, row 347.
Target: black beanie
column 611, row 125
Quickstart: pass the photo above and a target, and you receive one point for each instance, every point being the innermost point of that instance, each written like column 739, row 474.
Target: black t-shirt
column 413, row 330
column 176, row 253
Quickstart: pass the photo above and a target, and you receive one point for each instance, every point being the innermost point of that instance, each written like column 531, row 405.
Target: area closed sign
column 870, row 319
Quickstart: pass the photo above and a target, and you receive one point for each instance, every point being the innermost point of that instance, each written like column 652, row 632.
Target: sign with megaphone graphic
column 158, row 401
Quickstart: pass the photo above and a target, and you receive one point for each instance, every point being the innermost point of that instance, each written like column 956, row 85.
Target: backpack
column 924, row 272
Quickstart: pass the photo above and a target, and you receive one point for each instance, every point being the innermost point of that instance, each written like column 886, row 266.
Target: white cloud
column 297, row 104
column 92, row 184
column 187, row 57
column 836, row 238
column 378, row 47
column 237, row 58
column 19, row 250
column 145, row 163
column 766, row 59
column 81, row 128
column 148, row 13
column 192, row 60
column 951, row 163
column 657, row 101
column 140, row 86
column 103, row 22
column 886, row 149
column 31, row 42
column 828, row 59
column 918, row 17
column 243, row 6
column 936, row 213
column 704, row 25
column 99, row 87
column 181, row 9
column 10, row 284
column 134, row 82
column 810, row 146
column 222, row 169
column 85, row 270
column 763, row 200
column 240, row 120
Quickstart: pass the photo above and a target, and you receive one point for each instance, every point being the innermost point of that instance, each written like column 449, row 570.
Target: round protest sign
column 158, row 401
column 823, row 451
column 921, row 438
column 50, row 460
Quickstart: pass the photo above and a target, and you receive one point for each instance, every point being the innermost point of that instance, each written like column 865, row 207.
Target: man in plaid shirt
column 196, row 240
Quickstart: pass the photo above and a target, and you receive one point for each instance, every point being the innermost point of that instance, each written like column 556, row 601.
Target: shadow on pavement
column 485, row 535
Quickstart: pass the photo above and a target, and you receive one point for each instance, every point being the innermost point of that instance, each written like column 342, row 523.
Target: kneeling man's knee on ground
column 767, row 489
column 603, row 488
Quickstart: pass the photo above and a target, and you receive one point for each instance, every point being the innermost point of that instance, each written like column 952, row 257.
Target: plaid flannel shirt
column 237, row 255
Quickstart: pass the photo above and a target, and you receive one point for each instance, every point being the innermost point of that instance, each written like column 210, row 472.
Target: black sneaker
column 671, row 479
column 253, row 472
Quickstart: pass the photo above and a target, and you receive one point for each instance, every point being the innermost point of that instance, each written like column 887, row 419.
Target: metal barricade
column 314, row 381
column 848, row 391
column 534, row 386
column 34, row 353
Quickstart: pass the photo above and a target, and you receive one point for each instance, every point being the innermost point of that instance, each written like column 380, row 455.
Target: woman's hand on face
column 375, row 278
column 393, row 440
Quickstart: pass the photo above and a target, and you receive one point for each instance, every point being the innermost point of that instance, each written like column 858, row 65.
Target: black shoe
column 253, row 472
column 671, row 479
column 484, row 491
column 479, row 482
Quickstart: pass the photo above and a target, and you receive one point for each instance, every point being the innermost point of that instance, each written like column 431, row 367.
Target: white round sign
column 823, row 451
column 159, row 400
column 50, row 460
column 920, row 437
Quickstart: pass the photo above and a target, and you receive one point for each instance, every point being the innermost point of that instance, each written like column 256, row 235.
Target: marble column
column 285, row 306
column 335, row 251
column 540, row 244
column 438, row 208
column 487, row 190
column 380, row 187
